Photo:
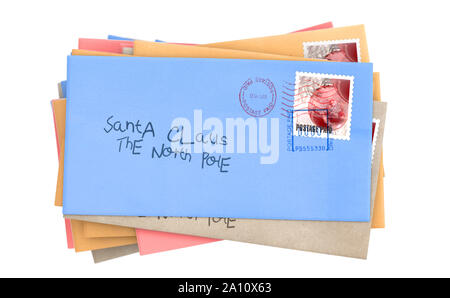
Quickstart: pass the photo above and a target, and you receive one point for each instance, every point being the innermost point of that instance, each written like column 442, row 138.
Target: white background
column 408, row 43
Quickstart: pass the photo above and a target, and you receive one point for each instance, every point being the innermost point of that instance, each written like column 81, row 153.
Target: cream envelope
column 357, row 251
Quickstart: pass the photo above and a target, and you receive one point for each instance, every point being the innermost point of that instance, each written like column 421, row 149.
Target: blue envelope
column 115, row 37
column 218, row 138
column 63, row 88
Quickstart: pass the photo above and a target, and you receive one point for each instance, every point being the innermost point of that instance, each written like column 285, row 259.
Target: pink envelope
column 150, row 242
column 116, row 46
column 327, row 25
column 153, row 241
column 69, row 234
column 103, row 45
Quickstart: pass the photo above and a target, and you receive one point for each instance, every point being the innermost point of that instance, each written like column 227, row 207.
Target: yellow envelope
column 59, row 110
column 294, row 44
column 378, row 222
column 159, row 49
column 96, row 230
column 82, row 243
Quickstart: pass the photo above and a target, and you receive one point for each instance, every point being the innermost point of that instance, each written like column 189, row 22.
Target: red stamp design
column 323, row 101
column 346, row 50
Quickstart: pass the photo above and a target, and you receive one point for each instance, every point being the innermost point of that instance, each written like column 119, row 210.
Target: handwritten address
column 136, row 132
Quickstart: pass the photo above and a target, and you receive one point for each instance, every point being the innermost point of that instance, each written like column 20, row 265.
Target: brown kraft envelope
column 106, row 254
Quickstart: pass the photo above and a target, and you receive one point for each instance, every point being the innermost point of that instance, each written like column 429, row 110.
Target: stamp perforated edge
column 350, row 100
column 375, row 136
column 336, row 41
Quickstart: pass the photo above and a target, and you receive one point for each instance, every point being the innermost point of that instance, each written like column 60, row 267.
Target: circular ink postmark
column 258, row 97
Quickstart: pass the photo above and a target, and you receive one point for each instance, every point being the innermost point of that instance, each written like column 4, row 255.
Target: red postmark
column 258, row 96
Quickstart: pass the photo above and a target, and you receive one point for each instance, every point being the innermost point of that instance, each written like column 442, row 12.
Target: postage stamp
column 322, row 105
column 345, row 50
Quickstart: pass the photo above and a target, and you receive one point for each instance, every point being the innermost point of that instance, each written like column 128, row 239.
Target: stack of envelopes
column 273, row 140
